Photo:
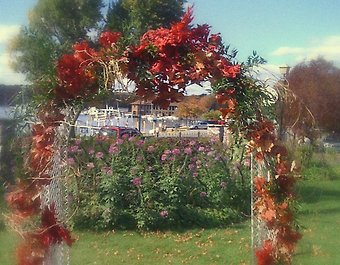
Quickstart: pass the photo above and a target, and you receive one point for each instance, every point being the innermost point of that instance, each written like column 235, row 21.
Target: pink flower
column 176, row 151
column 99, row 155
column 195, row 174
column 91, row 151
column 210, row 153
column 167, row 152
column 192, row 143
column 125, row 136
column 140, row 143
column 137, row 181
column 191, row 166
column 164, row 214
column 164, row 157
column 188, row 150
column 90, row 165
column 203, row 194
column 201, row 148
column 119, row 141
column 113, row 149
column 73, row 149
column 77, row 142
column 107, row 170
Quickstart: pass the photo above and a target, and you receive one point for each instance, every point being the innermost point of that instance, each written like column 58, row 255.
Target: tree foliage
column 54, row 26
column 316, row 85
column 134, row 17
column 194, row 106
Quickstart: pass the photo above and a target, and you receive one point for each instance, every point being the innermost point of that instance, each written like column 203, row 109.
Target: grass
column 320, row 211
column 215, row 246
column 319, row 217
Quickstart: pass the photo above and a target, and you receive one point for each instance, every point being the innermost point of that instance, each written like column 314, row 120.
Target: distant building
column 142, row 107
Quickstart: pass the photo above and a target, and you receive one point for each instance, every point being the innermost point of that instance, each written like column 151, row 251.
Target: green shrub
column 156, row 183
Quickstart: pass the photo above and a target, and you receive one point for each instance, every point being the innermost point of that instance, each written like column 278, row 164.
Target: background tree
column 134, row 17
column 212, row 115
column 316, row 85
column 54, row 26
column 194, row 106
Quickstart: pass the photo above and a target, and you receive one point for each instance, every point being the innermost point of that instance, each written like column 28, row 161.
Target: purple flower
column 90, row 165
column 113, row 149
column 188, row 150
column 99, row 155
column 137, row 181
column 77, row 141
column 176, row 151
column 164, row 214
column 195, row 174
column 203, row 194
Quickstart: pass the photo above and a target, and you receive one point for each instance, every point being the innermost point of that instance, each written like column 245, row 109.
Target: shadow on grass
column 324, row 211
column 313, row 194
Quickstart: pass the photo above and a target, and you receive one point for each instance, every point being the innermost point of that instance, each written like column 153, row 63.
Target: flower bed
column 157, row 183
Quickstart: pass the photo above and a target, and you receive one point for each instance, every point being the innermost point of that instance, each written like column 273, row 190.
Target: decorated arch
column 160, row 66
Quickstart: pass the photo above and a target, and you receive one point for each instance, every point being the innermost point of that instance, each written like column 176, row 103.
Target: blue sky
column 281, row 31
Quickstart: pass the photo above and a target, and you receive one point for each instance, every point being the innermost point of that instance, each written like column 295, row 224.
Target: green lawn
column 319, row 216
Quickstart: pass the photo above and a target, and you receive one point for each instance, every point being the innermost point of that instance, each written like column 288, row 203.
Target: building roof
column 149, row 102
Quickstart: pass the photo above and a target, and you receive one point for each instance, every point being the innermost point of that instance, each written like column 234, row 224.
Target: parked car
column 119, row 131
column 199, row 125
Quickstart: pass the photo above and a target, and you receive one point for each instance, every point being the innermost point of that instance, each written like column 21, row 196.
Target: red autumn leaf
column 107, row 38
column 52, row 231
column 264, row 256
column 268, row 215
column 31, row 252
column 25, row 200
column 83, row 52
